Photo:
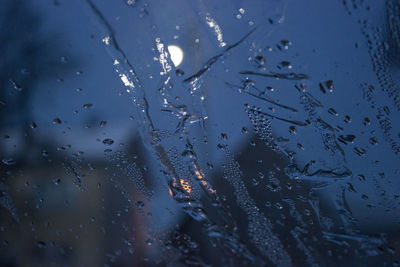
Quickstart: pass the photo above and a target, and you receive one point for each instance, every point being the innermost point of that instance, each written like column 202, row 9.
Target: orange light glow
column 200, row 176
column 186, row 186
column 170, row 191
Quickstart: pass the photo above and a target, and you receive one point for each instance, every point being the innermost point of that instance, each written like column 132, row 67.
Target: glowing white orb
column 176, row 54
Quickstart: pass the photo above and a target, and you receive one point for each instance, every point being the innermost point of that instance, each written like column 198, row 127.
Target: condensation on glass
column 200, row 133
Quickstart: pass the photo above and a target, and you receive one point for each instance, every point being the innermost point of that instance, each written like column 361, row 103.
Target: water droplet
column 8, row 161
column 366, row 121
column 57, row 121
column 32, row 125
column 259, row 60
column 108, row 141
column 351, row 188
column 347, row 119
column 219, row 146
column 300, row 146
column 179, row 72
column 103, row 123
column 333, row 112
column 359, row 151
column 329, row 84
column 87, row 106
column 347, row 138
column 41, row 244
column 16, row 85
column 140, row 204
column 269, row 88
column 285, row 64
column 292, row 129
column 254, row 181
column 373, row 140
column 386, row 109
column 130, row 2
column 361, row 177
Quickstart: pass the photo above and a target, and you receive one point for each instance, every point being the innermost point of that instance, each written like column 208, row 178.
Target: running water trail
column 161, row 146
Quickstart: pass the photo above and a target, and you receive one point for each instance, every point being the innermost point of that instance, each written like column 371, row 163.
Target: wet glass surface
column 200, row 133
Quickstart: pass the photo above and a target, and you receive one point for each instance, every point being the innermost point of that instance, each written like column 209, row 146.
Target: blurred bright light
column 176, row 54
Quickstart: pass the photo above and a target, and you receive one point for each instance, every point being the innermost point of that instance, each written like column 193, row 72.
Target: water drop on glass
column 57, row 121
column 32, row 125
column 108, row 142
column 179, row 72
column 8, row 161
